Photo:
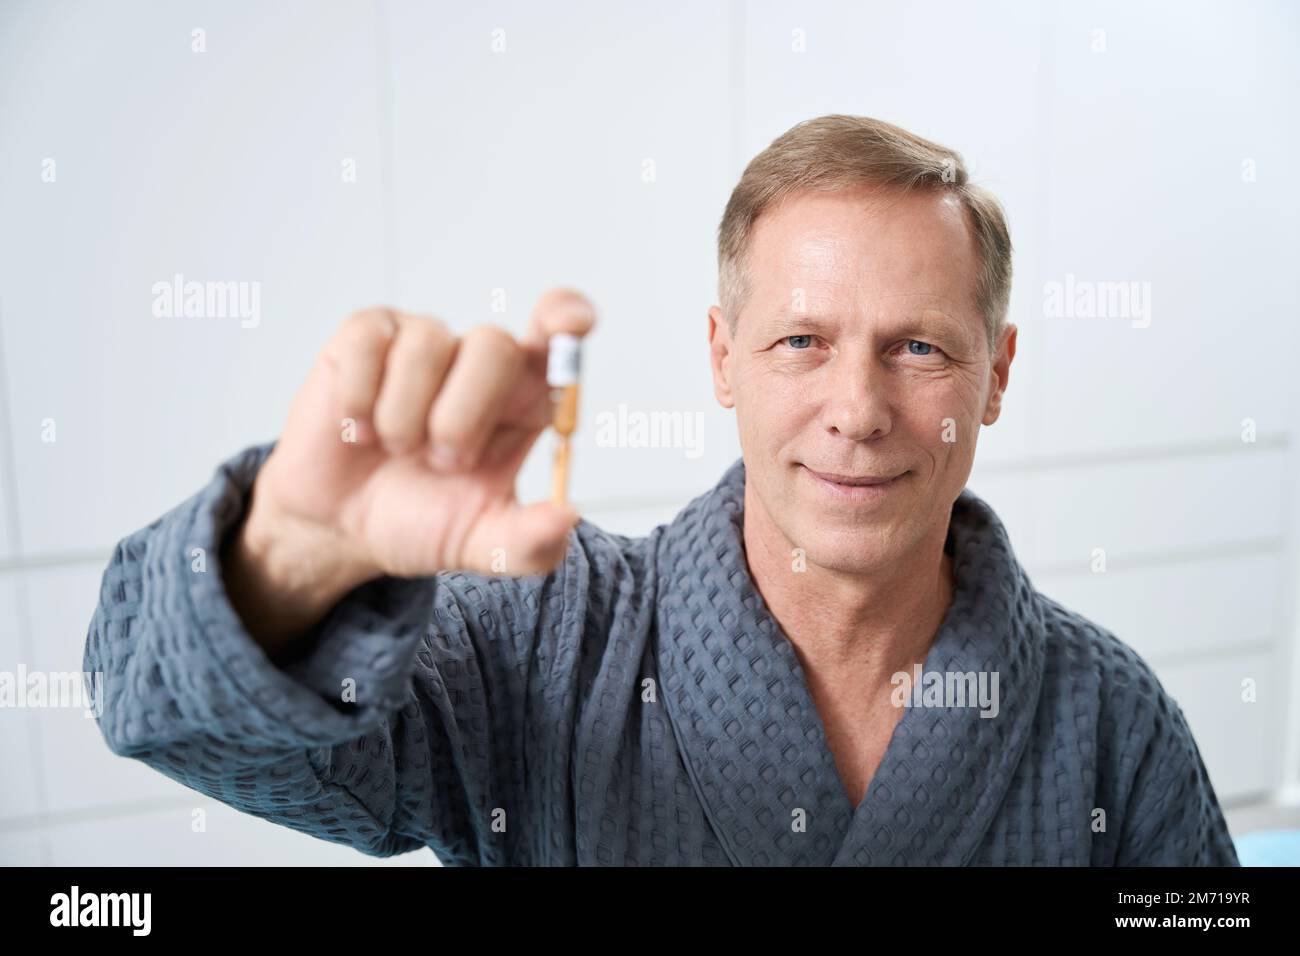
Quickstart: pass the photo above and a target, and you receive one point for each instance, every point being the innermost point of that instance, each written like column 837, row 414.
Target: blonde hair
column 840, row 152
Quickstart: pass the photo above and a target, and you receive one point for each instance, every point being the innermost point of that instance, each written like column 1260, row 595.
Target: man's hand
column 399, row 457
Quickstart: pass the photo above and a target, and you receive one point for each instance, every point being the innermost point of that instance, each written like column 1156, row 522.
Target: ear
column 999, row 372
column 720, row 357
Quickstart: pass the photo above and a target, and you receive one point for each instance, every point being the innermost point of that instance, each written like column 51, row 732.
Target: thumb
column 522, row 539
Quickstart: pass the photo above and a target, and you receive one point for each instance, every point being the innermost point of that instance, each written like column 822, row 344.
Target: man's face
column 859, row 352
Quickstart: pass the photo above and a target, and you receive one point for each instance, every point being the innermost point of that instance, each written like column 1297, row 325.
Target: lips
column 855, row 481
column 855, row 491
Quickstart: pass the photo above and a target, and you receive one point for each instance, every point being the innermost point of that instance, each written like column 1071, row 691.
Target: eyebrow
column 811, row 320
column 924, row 321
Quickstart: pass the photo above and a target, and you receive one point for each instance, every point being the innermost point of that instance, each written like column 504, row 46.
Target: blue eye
column 793, row 339
column 925, row 345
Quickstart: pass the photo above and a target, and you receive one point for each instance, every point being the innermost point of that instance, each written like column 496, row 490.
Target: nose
column 859, row 404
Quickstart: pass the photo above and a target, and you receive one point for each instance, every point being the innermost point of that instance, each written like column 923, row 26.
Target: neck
column 851, row 627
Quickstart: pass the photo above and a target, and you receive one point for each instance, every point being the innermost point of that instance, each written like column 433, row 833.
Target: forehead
column 866, row 243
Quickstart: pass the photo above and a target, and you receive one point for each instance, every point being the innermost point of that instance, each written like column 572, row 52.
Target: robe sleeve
column 1174, row 817
column 397, row 727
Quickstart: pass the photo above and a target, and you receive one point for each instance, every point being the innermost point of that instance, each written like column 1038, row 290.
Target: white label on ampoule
column 562, row 360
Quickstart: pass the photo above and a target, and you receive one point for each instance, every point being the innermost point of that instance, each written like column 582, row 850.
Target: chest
column 857, row 736
column 640, row 785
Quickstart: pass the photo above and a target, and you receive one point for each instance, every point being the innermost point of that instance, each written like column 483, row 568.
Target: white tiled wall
column 503, row 148
column 23, row 786
column 224, row 165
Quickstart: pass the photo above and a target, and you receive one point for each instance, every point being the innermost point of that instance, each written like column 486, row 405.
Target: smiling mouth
column 856, row 491
column 855, row 481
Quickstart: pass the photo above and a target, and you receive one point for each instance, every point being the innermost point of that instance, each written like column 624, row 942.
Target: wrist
column 283, row 574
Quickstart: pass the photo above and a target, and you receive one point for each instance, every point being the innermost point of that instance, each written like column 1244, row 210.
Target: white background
column 518, row 170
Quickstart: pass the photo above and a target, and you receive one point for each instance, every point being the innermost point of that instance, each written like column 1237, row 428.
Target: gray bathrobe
column 639, row 705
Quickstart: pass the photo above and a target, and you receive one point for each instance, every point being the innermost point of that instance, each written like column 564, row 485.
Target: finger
column 509, row 445
column 520, row 539
column 357, row 353
column 558, row 310
column 472, row 400
column 415, row 368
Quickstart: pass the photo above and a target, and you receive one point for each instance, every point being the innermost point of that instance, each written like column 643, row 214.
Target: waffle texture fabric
column 639, row 705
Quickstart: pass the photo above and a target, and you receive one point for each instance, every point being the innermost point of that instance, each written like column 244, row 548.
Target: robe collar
column 753, row 742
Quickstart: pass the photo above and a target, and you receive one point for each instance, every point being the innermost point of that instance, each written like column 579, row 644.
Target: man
column 832, row 657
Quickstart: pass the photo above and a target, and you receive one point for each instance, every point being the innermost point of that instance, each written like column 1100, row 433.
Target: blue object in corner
column 1269, row 848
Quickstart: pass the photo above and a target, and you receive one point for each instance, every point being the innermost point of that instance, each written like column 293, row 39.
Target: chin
column 856, row 551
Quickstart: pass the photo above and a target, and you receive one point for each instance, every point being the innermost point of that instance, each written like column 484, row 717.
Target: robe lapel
column 947, row 769
column 752, row 739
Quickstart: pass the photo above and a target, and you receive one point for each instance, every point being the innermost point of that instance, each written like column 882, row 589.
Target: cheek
column 769, row 405
column 950, row 398
column 943, row 418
